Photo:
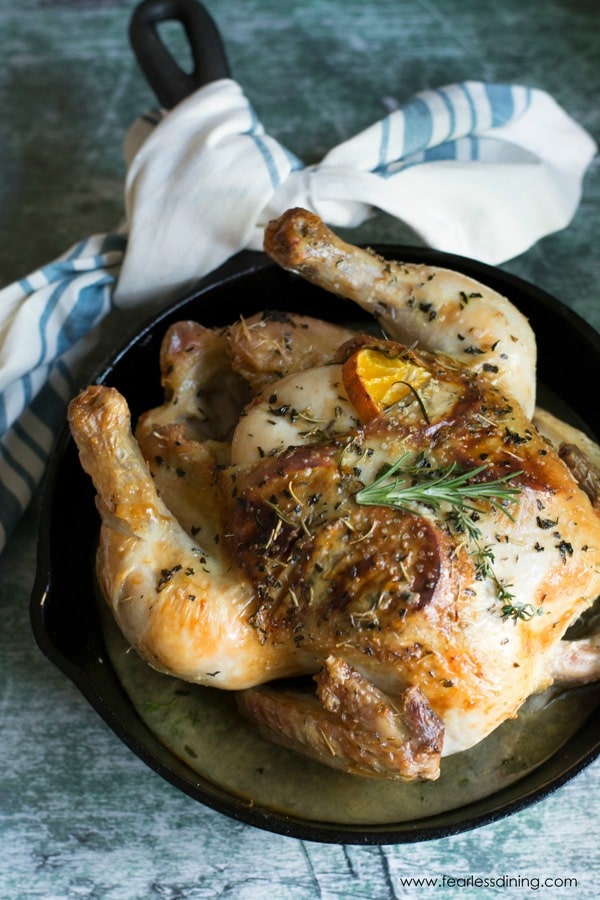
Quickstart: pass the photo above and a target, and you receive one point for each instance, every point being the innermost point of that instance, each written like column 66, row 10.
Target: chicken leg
column 437, row 308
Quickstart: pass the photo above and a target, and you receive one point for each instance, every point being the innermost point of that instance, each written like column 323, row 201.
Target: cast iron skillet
column 63, row 609
column 165, row 76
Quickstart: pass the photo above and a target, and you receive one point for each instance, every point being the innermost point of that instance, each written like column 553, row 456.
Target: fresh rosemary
column 419, row 483
column 453, row 491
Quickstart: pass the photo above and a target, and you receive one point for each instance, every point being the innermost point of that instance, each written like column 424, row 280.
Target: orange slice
column 375, row 382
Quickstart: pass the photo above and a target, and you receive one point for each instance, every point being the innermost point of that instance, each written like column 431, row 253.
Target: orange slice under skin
column 375, row 382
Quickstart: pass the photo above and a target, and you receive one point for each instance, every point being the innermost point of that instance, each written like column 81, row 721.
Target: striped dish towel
column 482, row 170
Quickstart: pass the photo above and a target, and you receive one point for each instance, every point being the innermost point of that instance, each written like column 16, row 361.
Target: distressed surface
column 80, row 816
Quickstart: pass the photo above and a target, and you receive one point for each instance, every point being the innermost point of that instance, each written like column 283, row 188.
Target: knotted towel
column 482, row 170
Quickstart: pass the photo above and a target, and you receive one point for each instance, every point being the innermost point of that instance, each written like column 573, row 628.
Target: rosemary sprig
column 419, row 483
column 402, row 485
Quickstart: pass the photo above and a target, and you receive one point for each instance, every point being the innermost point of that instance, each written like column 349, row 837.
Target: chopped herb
column 565, row 549
column 474, row 351
column 523, row 611
column 513, row 437
column 279, row 410
column 165, row 577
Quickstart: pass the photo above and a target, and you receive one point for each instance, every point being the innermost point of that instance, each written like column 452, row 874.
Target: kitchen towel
column 482, row 170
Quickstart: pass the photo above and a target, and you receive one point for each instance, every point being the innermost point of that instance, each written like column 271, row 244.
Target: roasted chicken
column 367, row 538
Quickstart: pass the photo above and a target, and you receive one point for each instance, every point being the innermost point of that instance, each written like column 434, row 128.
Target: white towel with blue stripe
column 482, row 170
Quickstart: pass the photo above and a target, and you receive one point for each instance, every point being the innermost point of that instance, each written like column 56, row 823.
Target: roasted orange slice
column 375, row 381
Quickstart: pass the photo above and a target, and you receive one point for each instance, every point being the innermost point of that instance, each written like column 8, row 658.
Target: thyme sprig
column 524, row 611
column 451, row 490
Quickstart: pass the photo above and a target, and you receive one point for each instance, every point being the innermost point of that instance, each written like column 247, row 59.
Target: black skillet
column 63, row 610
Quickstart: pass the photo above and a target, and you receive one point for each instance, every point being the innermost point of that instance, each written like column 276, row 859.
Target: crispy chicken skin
column 350, row 724
column 238, row 561
column 269, row 345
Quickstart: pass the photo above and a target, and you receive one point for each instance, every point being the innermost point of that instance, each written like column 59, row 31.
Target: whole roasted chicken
column 366, row 536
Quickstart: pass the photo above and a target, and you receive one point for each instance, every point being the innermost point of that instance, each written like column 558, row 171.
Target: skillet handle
column 168, row 80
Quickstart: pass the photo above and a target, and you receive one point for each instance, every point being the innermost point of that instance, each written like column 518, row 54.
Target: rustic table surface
column 80, row 815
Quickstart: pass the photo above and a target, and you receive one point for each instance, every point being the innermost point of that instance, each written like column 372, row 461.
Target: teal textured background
column 80, row 816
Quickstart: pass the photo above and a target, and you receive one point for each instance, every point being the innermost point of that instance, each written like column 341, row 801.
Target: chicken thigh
column 418, row 559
